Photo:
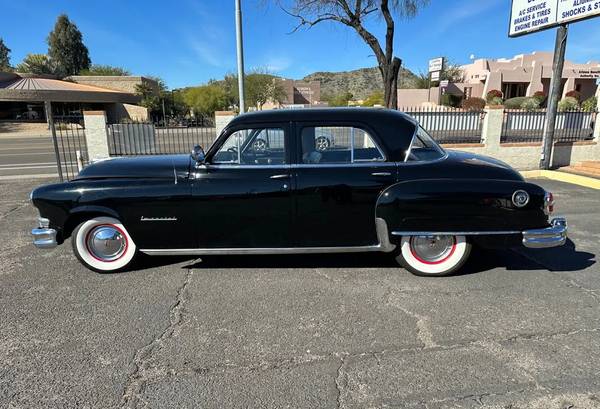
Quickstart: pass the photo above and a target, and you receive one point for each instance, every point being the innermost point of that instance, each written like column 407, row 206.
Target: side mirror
column 198, row 154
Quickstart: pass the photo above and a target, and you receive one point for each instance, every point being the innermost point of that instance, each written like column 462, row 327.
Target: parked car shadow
column 565, row 258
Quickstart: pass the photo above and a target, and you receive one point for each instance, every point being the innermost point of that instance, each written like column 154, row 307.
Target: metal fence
column 68, row 136
column 449, row 125
column 528, row 126
column 147, row 138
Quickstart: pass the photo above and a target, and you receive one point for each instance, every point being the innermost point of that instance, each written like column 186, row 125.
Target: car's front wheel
column 102, row 244
column 434, row 255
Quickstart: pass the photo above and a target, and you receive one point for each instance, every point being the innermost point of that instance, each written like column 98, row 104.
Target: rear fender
column 464, row 205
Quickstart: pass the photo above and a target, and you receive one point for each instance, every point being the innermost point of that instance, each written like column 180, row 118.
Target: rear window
column 424, row 148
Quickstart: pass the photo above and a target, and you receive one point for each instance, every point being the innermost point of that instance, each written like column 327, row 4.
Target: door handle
column 286, row 176
column 381, row 174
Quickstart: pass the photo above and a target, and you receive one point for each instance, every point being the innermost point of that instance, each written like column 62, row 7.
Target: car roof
column 368, row 115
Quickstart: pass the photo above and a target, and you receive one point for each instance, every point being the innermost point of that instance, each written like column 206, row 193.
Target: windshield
column 423, row 148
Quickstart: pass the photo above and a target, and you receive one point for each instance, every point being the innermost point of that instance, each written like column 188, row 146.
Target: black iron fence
column 147, row 138
column 69, row 141
column 449, row 125
column 528, row 126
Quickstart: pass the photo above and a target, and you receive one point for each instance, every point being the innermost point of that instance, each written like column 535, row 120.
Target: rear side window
column 338, row 145
column 423, row 148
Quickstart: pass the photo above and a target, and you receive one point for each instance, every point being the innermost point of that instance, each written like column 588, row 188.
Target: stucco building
column 526, row 74
column 520, row 76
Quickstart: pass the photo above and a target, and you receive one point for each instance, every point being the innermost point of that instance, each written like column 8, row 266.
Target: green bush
column 530, row 104
column 451, row 100
column 568, row 104
column 590, row 104
column 540, row 96
column 515, row 103
column 496, row 101
column 474, row 104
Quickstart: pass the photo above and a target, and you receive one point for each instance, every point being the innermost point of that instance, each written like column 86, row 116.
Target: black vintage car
column 267, row 186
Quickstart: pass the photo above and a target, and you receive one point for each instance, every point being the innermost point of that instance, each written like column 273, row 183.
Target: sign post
column 436, row 66
column 555, row 91
column 530, row 16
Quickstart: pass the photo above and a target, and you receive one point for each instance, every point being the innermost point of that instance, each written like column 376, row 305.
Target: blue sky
column 188, row 42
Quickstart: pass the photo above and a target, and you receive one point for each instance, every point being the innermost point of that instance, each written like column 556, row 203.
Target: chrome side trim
column 553, row 236
column 453, row 233
column 384, row 246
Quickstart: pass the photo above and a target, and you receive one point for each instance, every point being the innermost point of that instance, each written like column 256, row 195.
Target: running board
column 384, row 246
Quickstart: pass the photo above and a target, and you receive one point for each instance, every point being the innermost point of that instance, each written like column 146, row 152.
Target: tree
column 4, row 56
column 260, row 87
column 339, row 100
column 149, row 97
column 104, row 70
column 206, row 99
column 66, row 48
column 375, row 98
column 36, row 64
column 312, row 12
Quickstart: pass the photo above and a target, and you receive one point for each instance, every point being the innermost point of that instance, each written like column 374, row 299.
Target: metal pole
column 553, row 98
column 164, row 114
column 240, row 54
column 50, row 120
column 429, row 88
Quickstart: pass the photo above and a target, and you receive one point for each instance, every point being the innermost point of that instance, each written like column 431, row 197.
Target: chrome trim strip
column 384, row 246
column 454, row 233
column 44, row 238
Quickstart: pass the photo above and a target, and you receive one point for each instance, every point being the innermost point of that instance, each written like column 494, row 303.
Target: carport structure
column 29, row 97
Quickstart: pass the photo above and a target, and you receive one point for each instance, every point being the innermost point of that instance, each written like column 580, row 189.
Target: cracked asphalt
column 519, row 329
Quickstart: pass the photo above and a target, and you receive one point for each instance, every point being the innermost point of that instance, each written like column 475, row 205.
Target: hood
column 160, row 166
column 480, row 166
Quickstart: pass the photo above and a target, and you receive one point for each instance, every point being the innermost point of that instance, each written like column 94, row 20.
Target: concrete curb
column 563, row 177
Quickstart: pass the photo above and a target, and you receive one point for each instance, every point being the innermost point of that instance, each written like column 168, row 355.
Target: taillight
column 548, row 203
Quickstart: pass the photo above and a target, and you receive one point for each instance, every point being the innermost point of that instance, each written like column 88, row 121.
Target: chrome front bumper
column 44, row 237
column 553, row 236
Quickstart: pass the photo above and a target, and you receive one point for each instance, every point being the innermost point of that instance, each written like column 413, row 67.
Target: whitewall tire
column 433, row 255
column 103, row 244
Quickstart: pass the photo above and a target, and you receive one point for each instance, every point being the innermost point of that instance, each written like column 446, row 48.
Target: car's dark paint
column 187, row 205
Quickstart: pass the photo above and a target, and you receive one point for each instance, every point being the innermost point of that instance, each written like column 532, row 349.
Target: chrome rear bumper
column 553, row 236
column 44, row 237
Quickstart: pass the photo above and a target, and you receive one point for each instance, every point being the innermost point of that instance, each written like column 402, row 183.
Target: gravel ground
column 519, row 329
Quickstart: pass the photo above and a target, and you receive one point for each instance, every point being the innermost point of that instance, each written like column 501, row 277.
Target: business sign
column 435, row 76
column 444, row 83
column 593, row 73
column 437, row 64
column 528, row 16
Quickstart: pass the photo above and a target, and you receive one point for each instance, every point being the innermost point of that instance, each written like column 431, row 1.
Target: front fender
column 465, row 205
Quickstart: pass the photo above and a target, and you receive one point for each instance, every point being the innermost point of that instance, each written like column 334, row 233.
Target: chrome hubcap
column 260, row 145
column 106, row 243
column 432, row 249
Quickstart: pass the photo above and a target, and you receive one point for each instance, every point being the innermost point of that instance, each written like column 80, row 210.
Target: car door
column 242, row 194
column 340, row 172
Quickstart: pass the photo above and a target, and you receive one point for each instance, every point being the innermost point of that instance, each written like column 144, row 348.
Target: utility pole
column 553, row 98
column 240, row 53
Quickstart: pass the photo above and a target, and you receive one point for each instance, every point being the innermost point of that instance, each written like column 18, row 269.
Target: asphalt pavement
column 29, row 155
column 518, row 329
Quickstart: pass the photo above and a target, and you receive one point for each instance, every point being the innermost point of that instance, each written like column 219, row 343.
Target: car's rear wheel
column 103, row 244
column 435, row 255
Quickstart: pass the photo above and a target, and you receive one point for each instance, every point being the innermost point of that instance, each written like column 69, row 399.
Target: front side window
column 258, row 146
column 424, row 148
column 338, row 145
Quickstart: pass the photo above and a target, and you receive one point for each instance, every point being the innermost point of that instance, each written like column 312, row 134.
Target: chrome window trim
column 367, row 164
column 209, row 166
column 412, row 141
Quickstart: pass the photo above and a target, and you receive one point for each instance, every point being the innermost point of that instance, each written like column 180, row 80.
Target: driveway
column 517, row 330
